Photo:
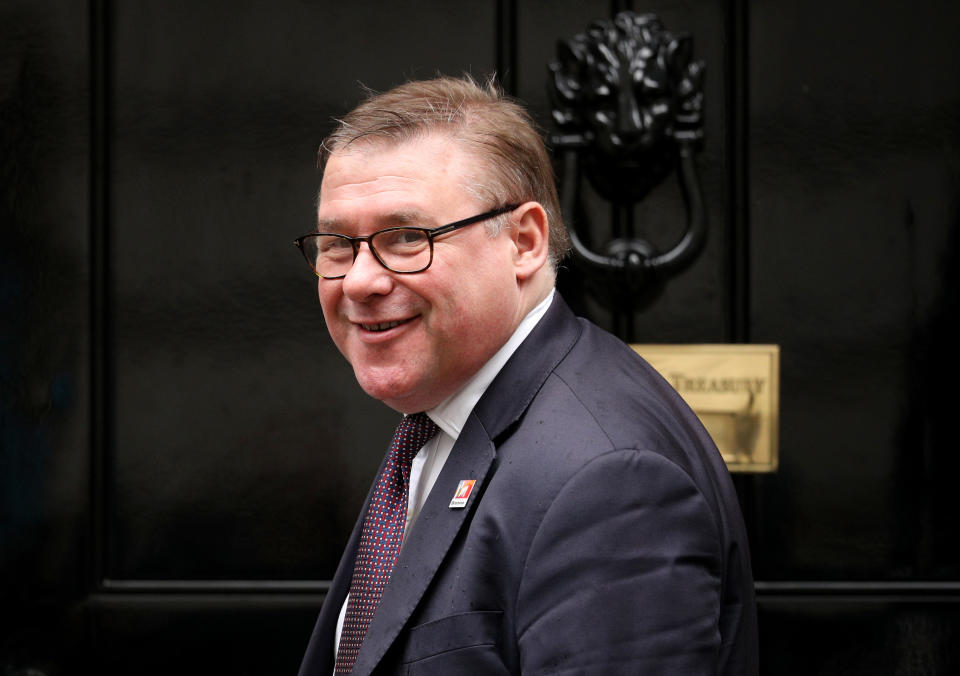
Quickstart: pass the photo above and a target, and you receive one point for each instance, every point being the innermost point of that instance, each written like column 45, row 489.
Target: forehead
column 374, row 171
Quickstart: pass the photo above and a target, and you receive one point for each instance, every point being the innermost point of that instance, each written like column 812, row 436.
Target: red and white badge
column 464, row 489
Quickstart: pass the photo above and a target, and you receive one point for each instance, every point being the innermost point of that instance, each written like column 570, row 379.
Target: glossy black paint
column 183, row 450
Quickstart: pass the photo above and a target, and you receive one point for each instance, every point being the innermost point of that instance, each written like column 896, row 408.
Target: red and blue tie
column 381, row 536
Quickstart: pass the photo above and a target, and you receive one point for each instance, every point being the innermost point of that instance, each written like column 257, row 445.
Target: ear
column 530, row 233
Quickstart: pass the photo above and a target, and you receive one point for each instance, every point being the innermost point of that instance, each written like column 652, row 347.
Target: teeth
column 382, row 326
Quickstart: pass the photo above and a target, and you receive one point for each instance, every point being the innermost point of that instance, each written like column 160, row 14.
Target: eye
column 410, row 237
column 401, row 239
column 652, row 87
column 332, row 244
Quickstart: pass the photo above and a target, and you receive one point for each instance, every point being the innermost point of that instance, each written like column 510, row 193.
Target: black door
column 184, row 450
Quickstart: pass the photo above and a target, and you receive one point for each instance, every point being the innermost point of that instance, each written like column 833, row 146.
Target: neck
column 536, row 289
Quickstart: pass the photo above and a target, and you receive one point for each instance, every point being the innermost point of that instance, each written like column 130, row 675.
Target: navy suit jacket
column 603, row 535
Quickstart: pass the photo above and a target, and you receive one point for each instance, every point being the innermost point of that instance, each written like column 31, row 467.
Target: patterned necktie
column 381, row 536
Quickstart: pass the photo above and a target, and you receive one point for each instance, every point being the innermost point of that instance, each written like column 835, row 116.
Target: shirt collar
column 452, row 413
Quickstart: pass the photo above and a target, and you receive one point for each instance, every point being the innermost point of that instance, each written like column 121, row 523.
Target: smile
column 383, row 326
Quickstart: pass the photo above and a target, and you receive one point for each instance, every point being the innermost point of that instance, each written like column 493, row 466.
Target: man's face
column 414, row 339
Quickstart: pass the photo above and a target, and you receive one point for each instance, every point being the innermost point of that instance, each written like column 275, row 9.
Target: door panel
column 853, row 215
column 233, row 411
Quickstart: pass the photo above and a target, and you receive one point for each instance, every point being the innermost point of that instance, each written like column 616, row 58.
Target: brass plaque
column 735, row 391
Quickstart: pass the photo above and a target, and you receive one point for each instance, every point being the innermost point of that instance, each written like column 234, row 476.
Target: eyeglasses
column 400, row 249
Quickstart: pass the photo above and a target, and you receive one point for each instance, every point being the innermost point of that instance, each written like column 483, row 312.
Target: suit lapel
column 518, row 382
column 428, row 542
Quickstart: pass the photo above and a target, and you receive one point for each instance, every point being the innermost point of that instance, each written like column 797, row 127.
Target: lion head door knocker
column 627, row 99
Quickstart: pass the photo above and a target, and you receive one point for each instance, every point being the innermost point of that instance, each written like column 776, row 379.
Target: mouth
column 383, row 326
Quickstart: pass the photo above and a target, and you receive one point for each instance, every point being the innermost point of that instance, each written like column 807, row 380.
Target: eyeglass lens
column 400, row 249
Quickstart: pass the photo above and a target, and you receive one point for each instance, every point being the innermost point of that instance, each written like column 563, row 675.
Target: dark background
column 183, row 450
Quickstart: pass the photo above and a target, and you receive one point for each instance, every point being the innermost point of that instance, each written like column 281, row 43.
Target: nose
column 629, row 120
column 366, row 277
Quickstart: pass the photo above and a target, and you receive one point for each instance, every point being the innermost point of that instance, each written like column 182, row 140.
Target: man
column 564, row 512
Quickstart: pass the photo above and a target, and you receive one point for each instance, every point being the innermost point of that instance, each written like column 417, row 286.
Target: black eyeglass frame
column 431, row 234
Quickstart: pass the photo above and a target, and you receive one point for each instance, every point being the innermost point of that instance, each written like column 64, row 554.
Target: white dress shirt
column 450, row 416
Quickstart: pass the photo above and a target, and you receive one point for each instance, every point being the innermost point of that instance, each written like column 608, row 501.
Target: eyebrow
column 388, row 220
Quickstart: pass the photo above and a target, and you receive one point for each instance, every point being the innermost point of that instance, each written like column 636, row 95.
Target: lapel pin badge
column 464, row 489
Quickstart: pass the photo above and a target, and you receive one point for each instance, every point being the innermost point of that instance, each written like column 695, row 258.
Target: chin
column 386, row 389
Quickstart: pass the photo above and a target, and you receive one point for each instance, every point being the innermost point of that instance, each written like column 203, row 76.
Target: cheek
column 480, row 313
column 328, row 305
column 327, row 292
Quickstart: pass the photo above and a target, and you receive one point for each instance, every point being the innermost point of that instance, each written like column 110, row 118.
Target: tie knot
column 413, row 432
